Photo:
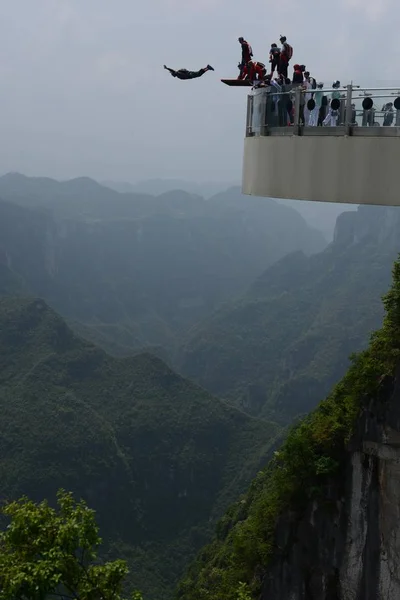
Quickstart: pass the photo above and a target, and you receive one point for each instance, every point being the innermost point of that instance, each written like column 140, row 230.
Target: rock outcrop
column 348, row 546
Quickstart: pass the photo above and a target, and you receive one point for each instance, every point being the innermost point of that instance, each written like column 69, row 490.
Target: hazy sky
column 83, row 91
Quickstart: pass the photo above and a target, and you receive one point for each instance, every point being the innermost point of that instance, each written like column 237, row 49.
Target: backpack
column 288, row 50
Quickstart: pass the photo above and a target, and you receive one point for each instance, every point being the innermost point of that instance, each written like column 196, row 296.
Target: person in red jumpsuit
column 253, row 71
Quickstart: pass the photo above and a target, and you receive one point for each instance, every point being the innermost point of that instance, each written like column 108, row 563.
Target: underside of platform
column 347, row 169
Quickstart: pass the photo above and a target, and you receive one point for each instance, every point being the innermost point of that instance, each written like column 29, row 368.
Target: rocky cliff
column 347, row 546
column 351, row 551
column 368, row 222
column 322, row 520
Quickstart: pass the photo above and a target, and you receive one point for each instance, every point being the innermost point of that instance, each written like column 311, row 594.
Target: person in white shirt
column 333, row 113
column 314, row 114
column 307, row 85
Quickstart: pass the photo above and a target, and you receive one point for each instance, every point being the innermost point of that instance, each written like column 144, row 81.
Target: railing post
column 249, row 115
column 263, row 115
column 397, row 117
column 348, row 109
column 364, row 121
column 297, row 98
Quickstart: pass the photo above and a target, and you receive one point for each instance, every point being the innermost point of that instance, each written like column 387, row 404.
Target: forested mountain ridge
column 158, row 457
column 134, row 271
column 321, row 520
column 81, row 197
column 279, row 348
column 155, row 187
column 321, row 215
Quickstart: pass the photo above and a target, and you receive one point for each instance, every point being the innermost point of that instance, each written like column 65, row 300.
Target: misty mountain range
column 154, row 349
column 137, row 270
column 321, row 216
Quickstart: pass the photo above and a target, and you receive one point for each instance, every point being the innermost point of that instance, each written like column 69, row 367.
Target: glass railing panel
column 292, row 106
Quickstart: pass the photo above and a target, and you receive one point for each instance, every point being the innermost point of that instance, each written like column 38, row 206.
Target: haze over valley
column 199, row 389
column 116, row 306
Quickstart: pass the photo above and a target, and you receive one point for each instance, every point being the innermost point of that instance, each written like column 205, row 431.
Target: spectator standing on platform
column 274, row 57
column 285, row 56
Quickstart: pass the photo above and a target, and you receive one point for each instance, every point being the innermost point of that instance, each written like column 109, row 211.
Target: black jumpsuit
column 185, row 74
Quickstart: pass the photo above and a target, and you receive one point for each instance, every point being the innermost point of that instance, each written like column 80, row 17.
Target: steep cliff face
column 347, row 547
column 374, row 222
column 322, row 520
column 28, row 245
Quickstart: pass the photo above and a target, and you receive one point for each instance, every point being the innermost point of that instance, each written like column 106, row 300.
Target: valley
column 155, row 349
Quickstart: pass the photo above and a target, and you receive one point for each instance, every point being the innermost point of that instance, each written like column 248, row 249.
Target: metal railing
column 292, row 110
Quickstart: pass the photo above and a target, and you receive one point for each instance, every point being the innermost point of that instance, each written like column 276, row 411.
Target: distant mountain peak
column 13, row 175
column 83, row 181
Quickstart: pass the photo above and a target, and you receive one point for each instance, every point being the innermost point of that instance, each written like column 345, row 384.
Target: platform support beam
column 348, row 113
column 249, row 114
column 297, row 127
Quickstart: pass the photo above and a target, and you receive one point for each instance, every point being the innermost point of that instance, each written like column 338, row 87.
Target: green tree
column 243, row 592
column 45, row 552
